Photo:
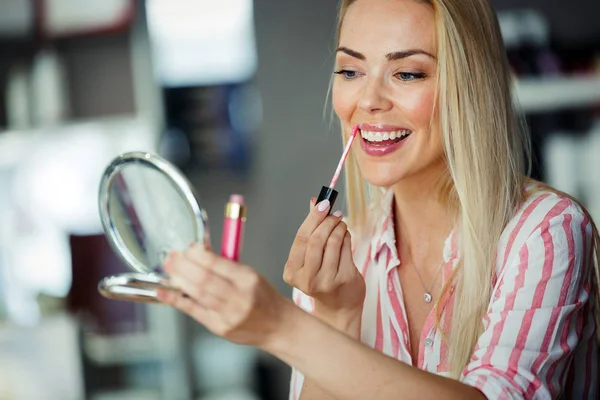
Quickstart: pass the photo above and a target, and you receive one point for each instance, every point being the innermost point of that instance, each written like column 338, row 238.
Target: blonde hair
column 487, row 150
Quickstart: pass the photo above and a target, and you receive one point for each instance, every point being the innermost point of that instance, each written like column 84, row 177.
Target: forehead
column 383, row 26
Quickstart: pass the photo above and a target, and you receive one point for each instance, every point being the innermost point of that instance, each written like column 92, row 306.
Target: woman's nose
column 374, row 98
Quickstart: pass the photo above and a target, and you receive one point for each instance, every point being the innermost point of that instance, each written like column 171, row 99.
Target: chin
column 384, row 184
column 382, row 180
column 382, row 173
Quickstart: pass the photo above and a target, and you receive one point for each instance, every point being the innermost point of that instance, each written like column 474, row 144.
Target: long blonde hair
column 487, row 150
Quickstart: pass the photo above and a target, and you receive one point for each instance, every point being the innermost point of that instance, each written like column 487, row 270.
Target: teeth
column 381, row 136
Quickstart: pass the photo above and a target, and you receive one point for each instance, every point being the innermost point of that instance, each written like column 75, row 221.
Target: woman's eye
column 347, row 74
column 409, row 76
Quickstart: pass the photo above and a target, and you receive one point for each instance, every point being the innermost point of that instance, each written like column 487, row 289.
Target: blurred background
column 234, row 93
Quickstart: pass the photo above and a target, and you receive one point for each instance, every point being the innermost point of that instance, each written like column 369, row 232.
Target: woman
column 462, row 278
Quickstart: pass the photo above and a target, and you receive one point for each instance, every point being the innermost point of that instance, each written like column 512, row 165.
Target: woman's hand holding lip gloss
column 320, row 265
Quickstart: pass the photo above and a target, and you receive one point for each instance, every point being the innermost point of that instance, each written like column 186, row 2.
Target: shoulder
column 547, row 219
column 545, row 207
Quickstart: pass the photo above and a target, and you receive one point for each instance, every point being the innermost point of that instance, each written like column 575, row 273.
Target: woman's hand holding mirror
column 230, row 299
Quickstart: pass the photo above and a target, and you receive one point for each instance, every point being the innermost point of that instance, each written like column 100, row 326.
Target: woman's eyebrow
column 350, row 52
column 397, row 55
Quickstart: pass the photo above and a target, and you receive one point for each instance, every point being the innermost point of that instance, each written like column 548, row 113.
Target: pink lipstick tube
column 233, row 227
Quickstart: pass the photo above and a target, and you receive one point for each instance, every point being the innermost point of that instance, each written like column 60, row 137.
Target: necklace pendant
column 427, row 297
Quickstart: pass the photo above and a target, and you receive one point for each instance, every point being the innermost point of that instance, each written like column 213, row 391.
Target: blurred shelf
column 552, row 94
column 121, row 350
column 115, row 134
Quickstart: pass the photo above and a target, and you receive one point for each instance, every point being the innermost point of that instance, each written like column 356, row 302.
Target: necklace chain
column 427, row 295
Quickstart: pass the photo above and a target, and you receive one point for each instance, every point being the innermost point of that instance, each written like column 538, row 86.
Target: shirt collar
column 384, row 234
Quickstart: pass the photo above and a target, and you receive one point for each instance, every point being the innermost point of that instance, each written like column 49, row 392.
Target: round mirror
column 147, row 208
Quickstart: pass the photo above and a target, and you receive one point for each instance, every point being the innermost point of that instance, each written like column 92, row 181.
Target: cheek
column 342, row 102
column 419, row 107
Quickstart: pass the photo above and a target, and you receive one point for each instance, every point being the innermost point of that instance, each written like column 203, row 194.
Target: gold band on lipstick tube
column 235, row 210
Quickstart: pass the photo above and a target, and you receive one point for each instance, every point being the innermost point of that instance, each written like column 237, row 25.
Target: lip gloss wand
column 328, row 192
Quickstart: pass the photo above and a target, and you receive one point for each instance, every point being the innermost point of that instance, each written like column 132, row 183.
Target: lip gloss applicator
column 328, row 192
column 233, row 227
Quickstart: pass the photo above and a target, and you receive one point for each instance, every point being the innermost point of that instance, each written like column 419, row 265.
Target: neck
column 423, row 220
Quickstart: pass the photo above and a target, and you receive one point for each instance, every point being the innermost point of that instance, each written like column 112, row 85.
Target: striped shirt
column 539, row 331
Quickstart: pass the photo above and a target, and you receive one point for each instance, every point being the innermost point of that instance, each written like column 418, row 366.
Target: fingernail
column 324, row 205
column 312, row 201
column 192, row 244
column 338, row 214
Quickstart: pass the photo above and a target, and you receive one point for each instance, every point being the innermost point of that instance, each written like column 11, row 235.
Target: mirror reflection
column 149, row 215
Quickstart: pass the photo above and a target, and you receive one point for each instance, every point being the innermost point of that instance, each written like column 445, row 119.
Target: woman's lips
column 380, row 144
column 380, row 128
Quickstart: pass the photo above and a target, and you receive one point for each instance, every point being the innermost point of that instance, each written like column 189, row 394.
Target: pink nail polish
column 338, row 214
column 324, row 205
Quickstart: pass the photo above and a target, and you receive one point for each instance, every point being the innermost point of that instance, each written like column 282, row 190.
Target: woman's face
column 385, row 82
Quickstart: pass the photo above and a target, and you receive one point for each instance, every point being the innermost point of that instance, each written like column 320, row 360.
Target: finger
column 316, row 245
column 331, row 256
column 202, row 285
column 233, row 274
column 208, row 260
column 211, row 284
column 186, row 305
column 346, row 256
column 314, row 218
column 184, row 275
column 178, row 267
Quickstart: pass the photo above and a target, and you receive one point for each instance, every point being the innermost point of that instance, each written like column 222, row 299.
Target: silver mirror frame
column 181, row 184
column 133, row 287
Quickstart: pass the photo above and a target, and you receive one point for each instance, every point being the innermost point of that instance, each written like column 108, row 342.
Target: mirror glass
column 149, row 215
column 147, row 208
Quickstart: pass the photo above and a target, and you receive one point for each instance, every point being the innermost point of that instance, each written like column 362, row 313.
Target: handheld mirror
column 147, row 208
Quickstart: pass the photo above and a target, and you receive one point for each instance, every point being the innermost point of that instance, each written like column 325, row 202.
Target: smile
column 379, row 141
column 381, row 137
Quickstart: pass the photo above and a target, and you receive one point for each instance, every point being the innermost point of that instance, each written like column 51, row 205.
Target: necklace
column 427, row 295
